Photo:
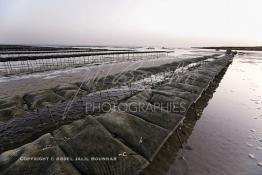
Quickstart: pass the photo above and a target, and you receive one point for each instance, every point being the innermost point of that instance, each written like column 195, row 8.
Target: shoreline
column 242, row 48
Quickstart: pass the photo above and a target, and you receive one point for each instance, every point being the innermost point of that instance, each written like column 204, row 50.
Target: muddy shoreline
column 123, row 130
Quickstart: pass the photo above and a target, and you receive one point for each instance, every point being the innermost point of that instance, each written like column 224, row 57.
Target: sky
column 171, row 23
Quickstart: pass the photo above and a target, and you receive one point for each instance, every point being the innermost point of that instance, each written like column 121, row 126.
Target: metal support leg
column 195, row 109
column 178, row 136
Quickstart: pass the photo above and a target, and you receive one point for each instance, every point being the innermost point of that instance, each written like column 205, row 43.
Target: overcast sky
column 177, row 23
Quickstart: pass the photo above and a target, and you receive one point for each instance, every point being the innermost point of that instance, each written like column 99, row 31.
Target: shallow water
column 227, row 140
column 179, row 54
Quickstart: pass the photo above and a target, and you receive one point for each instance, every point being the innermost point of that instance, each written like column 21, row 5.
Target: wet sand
column 190, row 83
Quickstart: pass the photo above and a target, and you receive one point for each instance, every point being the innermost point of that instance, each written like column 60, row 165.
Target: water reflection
column 227, row 140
